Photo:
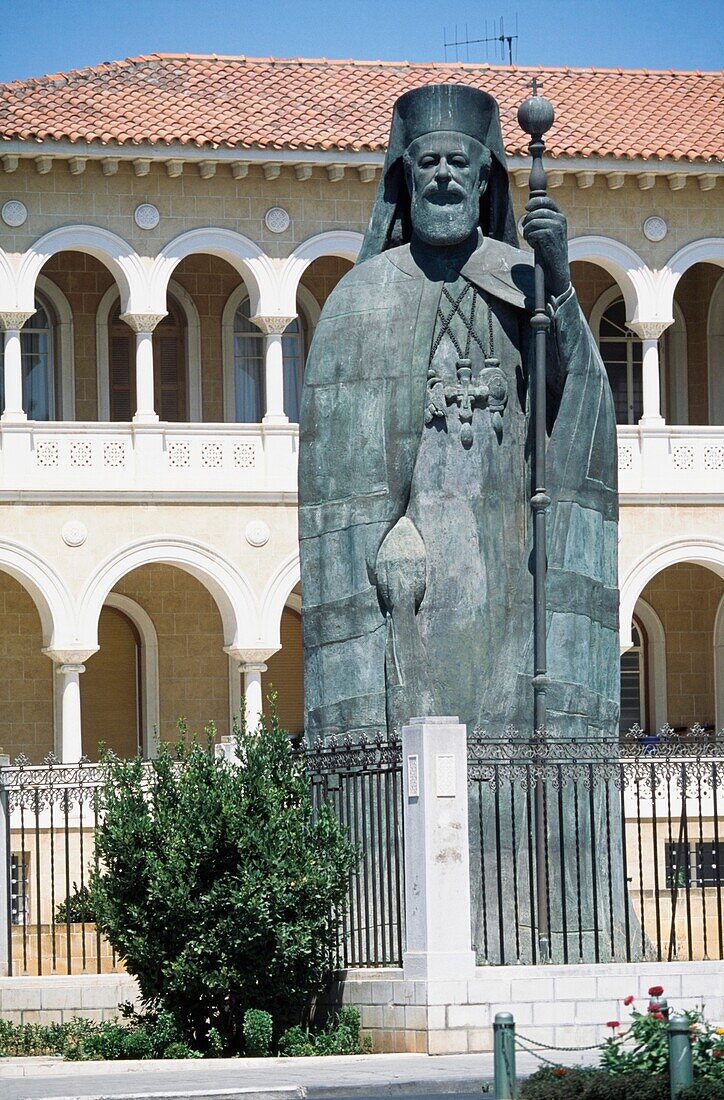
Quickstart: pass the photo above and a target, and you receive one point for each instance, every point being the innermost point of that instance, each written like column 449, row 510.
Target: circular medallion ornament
column 14, row 213
column 655, row 229
column 277, row 220
column 146, row 216
column 257, row 533
column 74, row 533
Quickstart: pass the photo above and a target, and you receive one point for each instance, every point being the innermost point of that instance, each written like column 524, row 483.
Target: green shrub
column 218, row 882
column 704, row 1090
column 77, row 907
column 594, row 1084
column 257, row 1029
column 340, row 1035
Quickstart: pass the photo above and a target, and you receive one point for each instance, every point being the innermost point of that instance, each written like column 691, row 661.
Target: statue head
column 445, row 172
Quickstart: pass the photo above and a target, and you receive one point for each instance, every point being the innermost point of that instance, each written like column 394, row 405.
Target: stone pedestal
column 437, row 865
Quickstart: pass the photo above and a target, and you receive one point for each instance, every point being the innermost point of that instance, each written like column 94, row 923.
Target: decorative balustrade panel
column 671, row 459
column 597, row 851
column 115, row 458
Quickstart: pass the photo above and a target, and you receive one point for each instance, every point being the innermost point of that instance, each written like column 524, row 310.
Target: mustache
column 444, row 196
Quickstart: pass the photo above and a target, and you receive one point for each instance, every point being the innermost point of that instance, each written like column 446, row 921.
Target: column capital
column 250, row 659
column 143, row 322
column 70, row 659
column 13, row 319
column 272, row 325
column 649, row 330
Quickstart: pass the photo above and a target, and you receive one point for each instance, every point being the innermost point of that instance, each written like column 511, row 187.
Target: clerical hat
column 432, row 107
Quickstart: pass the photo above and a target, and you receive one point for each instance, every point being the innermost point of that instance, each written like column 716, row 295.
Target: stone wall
column 26, row 676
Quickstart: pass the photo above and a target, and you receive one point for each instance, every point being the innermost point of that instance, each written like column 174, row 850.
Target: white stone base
column 49, row 1000
column 561, row 1005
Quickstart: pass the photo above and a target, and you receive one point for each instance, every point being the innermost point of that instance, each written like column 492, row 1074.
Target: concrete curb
column 446, row 1086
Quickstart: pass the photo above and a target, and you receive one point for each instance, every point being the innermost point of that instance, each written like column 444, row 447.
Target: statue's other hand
column 546, row 230
column 401, row 566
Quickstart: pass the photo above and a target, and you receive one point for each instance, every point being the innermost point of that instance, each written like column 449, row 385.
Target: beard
column 447, row 222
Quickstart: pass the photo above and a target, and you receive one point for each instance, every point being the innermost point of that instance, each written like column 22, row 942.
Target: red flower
column 629, row 1000
column 560, row 1071
column 657, row 1015
column 656, row 990
column 613, row 1023
column 717, row 1054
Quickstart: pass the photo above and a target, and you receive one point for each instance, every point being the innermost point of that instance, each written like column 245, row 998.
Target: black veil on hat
column 456, row 107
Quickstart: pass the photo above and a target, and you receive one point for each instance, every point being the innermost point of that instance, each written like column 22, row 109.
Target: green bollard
column 681, row 1066
column 504, row 1057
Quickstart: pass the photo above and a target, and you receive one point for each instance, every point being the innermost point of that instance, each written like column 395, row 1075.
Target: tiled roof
column 242, row 102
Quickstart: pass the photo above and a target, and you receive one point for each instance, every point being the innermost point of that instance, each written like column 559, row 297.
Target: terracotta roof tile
column 306, row 104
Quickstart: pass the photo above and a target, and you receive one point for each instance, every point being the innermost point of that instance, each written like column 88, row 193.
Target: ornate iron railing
column 360, row 778
column 631, row 842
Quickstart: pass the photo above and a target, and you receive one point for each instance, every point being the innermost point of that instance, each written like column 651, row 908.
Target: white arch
column 233, row 595
column 150, row 693
column 336, row 242
column 126, row 266
column 719, row 666
column 193, row 350
column 48, row 592
column 8, row 289
column 655, row 652
column 276, row 596
column 636, row 281
column 255, row 268
column 65, row 343
column 701, row 550
column 708, row 250
column 715, row 353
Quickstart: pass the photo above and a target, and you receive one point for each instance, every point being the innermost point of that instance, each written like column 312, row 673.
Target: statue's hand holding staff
column 546, row 230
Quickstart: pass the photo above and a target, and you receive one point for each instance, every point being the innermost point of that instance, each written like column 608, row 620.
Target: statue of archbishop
column 415, row 455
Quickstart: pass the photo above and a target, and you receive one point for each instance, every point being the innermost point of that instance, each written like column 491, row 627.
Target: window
column 621, row 352
column 633, row 710
column 169, row 366
column 694, row 864
column 18, row 889
column 249, row 368
column 38, row 367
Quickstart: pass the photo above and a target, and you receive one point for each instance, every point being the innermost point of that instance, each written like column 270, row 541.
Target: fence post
column 437, row 854
column 681, row 1066
column 504, row 1077
column 5, row 900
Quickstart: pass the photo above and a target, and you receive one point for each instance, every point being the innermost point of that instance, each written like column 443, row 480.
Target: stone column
column 12, row 322
column 69, row 735
column 143, row 325
column 437, row 859
column 273, row 327
column 650, row 332
column 252, row 665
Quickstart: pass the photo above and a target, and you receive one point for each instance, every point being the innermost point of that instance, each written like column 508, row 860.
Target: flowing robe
column 361, row 428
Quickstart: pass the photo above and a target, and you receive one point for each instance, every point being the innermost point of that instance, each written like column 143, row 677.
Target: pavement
column 330, row 1078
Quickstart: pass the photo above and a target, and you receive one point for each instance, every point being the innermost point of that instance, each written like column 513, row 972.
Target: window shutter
column 170, row 388
column 122, row 375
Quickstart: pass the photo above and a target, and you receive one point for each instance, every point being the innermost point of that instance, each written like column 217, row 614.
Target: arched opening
column 634, row 687
column 39, row 347
column 112, row 696
column 715, row 354
column 26, row 676
column 695, row 295
column 171, row 398
column 685, row 597
column 285, row 671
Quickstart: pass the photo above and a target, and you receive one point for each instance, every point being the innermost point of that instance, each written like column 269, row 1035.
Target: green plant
column 77, row 907
column 340, row 1035
column 218, row 881
column 560, row 1083
column 257, row 1028
column 704, row 1090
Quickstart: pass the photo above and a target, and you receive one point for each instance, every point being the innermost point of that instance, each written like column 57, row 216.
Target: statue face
column 446, row 174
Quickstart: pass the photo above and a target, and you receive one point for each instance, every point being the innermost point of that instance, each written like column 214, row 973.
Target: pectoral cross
column 487, row 390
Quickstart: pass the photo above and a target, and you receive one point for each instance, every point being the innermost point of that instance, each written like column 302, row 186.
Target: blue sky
column 45, row 36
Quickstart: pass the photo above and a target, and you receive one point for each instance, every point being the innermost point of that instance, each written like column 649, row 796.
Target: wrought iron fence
column 51, row 812
column 361, row 778
column 627, row 835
